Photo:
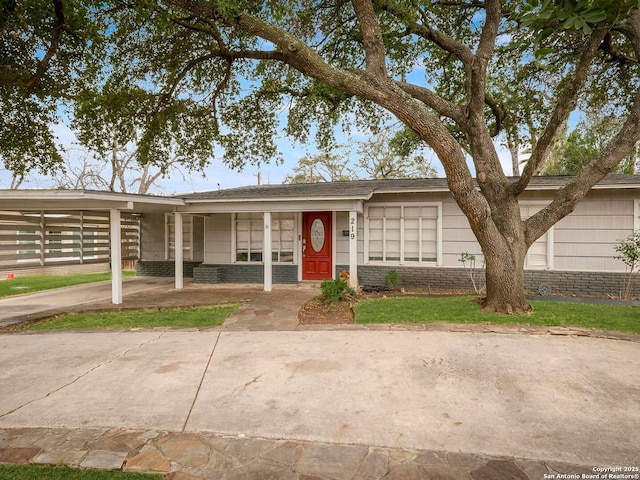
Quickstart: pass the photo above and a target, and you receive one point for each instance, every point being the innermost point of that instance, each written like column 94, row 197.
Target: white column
column 178, row 251
column 116, row 256
column 266, row 253
column 353, row 249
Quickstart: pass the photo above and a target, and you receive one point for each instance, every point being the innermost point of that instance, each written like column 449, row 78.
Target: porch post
column 266, row 253
column 116, row 256
column 178, row 251
column 353, row 249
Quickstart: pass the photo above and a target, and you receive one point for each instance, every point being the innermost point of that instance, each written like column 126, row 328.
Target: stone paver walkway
column 192, row 456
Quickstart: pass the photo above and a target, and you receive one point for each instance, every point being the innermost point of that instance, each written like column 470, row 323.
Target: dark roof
column 363, row 189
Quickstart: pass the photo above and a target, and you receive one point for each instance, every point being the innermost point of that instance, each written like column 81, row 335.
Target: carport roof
column 21, row 200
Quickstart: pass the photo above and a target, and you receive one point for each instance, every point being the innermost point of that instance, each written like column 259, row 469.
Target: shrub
column 629, row 252
column 336, row 290
column 471, row 269
column 391, row 279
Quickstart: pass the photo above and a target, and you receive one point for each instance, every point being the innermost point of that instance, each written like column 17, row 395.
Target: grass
column 461, row 310
column 33, row 472
column 189, row 317
column 36, row 283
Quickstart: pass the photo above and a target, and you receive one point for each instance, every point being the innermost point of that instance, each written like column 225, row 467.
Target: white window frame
column 636, row 215
column 275, row 216
column 402, row 206
column 550, row 240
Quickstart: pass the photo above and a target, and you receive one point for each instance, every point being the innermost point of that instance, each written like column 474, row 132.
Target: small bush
column 334, row 291
column 391, row 279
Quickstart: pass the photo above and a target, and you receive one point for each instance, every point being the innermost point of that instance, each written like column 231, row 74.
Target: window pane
column 392, row 212
column 411, row 212
column 376, row 212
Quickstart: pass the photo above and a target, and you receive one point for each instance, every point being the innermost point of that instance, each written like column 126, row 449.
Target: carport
column 52, row 227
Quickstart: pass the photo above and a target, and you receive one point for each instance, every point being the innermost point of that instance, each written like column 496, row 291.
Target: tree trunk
column 505, row 281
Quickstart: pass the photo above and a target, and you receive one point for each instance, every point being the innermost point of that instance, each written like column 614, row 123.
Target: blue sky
column 218, row 173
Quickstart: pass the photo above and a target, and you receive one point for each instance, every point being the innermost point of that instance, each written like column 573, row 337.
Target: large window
column 249, row 237
column 404, row 234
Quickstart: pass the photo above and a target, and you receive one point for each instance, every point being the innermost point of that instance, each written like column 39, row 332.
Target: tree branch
column 433, row 101
column 565, row 104
column 459, row 49
column 618, row 147
column 476, row 86
column 58, row 24
column 371, row 38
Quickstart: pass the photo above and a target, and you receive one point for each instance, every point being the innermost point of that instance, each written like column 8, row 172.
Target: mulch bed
column 318, row 312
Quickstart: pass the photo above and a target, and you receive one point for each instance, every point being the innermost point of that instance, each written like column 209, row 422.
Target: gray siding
column 584, row 240
column 217, row 244
column 152, row 242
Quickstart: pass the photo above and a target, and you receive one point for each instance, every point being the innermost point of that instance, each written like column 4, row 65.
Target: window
column 539, row 254
column 249, row 237
column 406, row 234
column 170, row 236
column 282, row 237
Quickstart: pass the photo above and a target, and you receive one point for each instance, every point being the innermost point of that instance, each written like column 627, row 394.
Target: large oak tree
column 461, row 75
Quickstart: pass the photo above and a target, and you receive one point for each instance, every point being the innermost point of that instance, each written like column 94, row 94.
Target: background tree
column 224, row 73
column 119, row 172
column 383, row 156
column 323, row 167
column 584, row 143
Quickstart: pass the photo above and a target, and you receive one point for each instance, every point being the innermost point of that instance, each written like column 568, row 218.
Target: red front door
column 316, row 246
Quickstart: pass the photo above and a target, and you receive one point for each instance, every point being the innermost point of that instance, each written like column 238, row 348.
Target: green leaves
column 575, row 15
column 548, row 18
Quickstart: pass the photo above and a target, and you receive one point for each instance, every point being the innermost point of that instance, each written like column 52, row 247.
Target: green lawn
column 35, row 283
column 188, row 317
column 462, row 310
column 35, row 472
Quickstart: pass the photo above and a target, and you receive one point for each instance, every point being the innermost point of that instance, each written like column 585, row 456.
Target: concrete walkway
column 237, row 402
column 21, row 308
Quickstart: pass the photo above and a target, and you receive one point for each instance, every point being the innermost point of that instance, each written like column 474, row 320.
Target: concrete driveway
column 567, row 399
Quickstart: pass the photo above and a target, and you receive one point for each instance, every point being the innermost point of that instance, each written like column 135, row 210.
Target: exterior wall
column 560, row 282
column 244, row 273
column 582, row 242
column 164, row 268
column 217, row 238
column 152, row 237
column 585, row 239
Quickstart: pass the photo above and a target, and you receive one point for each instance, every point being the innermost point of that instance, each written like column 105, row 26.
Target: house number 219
column 353, row 228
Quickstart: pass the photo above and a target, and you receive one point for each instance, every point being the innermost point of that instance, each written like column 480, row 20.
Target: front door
column 316, row 246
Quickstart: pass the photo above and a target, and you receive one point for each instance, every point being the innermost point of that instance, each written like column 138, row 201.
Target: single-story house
column 291, row 233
